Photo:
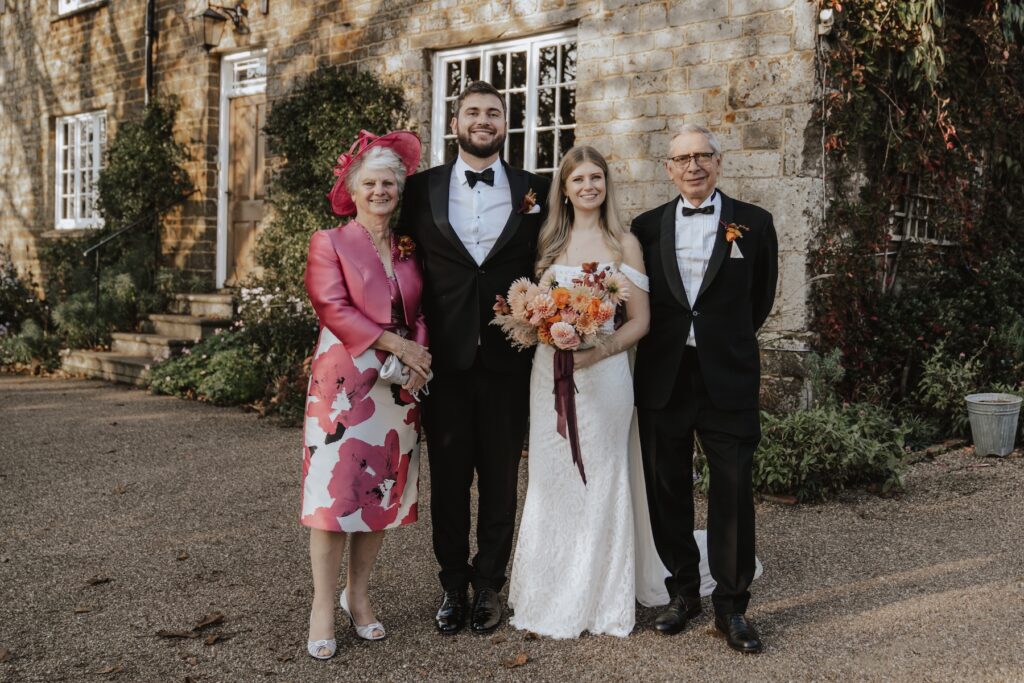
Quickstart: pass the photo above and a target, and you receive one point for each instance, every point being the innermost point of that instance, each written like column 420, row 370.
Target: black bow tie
column 484, row 176
column 709, row 210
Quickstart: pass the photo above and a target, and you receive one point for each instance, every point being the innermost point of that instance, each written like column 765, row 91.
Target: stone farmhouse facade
column 620, row 75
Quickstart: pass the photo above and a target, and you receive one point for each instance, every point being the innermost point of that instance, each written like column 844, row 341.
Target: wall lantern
column 209, row 25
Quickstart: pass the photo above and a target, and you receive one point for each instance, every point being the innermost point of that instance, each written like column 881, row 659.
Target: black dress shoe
column 451, row 616
column 486, row 611
column 675, row 617
column 739, row 633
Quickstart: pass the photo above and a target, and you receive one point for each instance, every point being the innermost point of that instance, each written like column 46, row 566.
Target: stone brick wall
column 745, row 68
column 51, row 67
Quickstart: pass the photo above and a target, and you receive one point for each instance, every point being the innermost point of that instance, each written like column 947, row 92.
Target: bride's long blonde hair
column 554, row 234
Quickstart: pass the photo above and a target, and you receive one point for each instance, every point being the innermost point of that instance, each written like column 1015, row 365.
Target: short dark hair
column 478, row 88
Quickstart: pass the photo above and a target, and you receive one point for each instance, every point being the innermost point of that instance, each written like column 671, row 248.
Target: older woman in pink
column 361, row 466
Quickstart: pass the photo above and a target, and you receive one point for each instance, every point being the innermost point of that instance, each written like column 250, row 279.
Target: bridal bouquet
column 564, row 315
column 567, row 316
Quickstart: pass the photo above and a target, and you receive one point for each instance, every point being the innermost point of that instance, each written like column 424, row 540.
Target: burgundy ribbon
column 565, row 406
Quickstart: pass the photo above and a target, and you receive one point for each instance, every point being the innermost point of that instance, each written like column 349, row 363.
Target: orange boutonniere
column 734, row 231
column 405, row 247
column 529, row 201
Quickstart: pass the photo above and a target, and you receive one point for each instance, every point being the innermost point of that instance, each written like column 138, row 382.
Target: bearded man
column 475, row 222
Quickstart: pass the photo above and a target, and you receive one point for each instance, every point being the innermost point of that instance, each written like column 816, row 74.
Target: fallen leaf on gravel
column 113, row 424
column 165, row 633
column 189, row 679
column 981, row 464
column 5, row 655
column 113, row 669
column 97, row 580
column 285, row 658
column 120, row 489
column 530, row 635
column 781, row 500
column 517, row 661
column 209, row 620
column 194, row 661
column 498, row 639
column 215, row 638
column 182, row 556
column 82, row 610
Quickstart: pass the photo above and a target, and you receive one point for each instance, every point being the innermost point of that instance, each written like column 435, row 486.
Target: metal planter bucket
column 993, row 422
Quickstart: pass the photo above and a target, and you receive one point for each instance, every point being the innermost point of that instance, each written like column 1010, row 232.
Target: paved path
column 179, row 509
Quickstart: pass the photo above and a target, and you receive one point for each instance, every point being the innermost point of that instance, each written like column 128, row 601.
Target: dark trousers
column 475, row 422
column 729, row 439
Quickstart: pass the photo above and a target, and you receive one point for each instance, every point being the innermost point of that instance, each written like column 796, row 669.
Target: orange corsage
column 734, row 231
column 405, row 247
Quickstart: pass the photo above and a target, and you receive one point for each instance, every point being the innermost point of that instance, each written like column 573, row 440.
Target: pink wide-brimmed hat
column 404, row 143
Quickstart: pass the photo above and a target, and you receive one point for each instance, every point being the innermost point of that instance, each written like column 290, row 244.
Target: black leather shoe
column 486, row 611
column 739, row 633
column 675, row 617
column 451, row 616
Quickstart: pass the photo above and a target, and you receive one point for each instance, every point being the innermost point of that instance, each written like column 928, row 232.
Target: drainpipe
column 150, row 37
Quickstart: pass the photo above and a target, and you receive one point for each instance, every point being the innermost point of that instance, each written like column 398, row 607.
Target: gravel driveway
column 123, row 515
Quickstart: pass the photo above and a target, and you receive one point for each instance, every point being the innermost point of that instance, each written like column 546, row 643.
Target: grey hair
column 376, row 159
column 687, row 128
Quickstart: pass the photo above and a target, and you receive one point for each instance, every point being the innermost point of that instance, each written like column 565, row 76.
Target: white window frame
column 70, row 6
column 439, row 131
column 72, row 127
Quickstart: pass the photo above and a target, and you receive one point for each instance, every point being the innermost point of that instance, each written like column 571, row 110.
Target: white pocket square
column 735, row 253
column 534, row 209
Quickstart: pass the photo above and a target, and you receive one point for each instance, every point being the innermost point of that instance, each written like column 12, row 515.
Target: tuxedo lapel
column 439, row 186
column 721, row 248
column 668, row 254
column 518, row 185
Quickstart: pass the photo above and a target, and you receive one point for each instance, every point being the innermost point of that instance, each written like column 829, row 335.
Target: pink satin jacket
column 348, row 288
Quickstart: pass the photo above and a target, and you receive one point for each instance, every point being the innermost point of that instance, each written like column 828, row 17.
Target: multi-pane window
column 81, row 140
column 537, row 78
column 66, row 6
column 249, row 76
column 910, row 217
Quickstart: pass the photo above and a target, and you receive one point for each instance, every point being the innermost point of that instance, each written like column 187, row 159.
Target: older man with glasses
column 713, row 265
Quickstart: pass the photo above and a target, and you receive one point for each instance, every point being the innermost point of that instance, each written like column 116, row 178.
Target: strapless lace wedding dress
column 585, row 553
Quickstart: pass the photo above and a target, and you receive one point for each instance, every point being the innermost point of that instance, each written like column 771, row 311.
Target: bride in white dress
column 585, row 553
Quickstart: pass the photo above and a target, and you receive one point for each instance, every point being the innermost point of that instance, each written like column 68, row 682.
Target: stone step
column 113, row 367
column 217, row 305
column 147, row 345
column 184, row 326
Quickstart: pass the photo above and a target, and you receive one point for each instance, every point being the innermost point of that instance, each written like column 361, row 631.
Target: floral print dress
column 361, row 459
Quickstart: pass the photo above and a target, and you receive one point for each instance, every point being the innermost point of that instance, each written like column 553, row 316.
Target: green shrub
column 814, row 453
column 233, row 376
column 30, row 346
column 225, row 369
column 945, row 381
column 122, row 304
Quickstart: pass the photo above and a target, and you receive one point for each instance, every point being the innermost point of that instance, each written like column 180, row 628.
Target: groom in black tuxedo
column 713, row 266
column 475, row 222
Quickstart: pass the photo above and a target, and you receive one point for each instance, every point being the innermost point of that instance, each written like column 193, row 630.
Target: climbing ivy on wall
column 927, row 94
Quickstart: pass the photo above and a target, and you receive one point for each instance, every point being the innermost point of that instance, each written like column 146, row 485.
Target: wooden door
column 246, row 184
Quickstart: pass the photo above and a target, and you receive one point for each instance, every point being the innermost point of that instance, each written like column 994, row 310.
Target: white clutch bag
column 394, row 371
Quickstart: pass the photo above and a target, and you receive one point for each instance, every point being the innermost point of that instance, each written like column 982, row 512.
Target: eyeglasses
column 702, row 159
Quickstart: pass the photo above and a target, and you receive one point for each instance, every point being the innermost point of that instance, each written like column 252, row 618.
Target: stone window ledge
column 75, row 12
column 69, row 233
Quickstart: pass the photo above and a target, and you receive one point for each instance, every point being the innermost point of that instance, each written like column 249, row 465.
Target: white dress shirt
column 695, row 238
column 478, row 214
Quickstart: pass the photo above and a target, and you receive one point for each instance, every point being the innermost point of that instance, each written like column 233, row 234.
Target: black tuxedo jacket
column 733, row 302
column 458, row 296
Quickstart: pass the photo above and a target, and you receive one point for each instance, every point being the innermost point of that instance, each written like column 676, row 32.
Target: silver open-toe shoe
column 366, row 632
column 313, row 647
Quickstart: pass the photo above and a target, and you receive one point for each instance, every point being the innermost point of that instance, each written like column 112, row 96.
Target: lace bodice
column 564, row 272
